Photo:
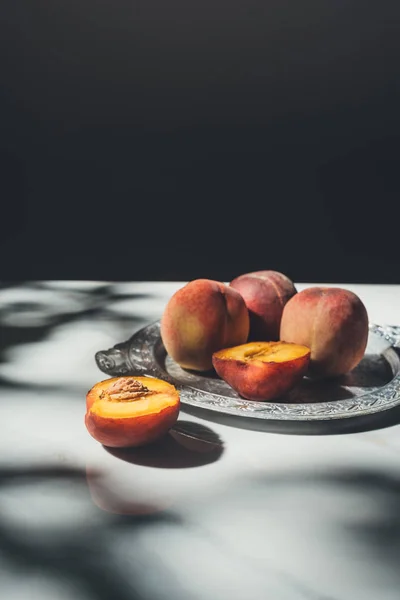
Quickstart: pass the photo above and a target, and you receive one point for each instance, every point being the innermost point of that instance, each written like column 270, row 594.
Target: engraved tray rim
column 137, row 356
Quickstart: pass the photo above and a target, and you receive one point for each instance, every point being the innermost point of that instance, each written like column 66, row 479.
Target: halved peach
column 131, row 411
column 262, row 370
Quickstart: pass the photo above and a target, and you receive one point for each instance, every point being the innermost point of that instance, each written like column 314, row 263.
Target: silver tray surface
column 373, row 386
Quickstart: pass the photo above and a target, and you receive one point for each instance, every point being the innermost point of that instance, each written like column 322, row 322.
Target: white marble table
column 249, row 515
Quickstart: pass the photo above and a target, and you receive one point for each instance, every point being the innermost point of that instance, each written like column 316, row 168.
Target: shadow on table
column 186, row 445
column 30, row 312
column 379, row 420
column 381, row 532
column 75, row 555
column 351, row 512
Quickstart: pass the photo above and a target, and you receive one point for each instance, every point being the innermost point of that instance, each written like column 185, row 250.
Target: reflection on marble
column 218, row 513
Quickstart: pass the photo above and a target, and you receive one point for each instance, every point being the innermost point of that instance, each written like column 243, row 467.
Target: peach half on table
column 262, row 370
column 333, row 323
column 200, row 318
column 265, row 294
column 131, row 411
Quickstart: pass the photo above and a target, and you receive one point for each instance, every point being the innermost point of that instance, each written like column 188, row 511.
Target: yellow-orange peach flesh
column 262, row 370
column 333, row 323
column 265, row 294
column 131, row 411
column 201, row 318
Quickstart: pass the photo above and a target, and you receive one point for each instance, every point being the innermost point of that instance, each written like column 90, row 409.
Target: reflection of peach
column 131, row 411
column 106, row 499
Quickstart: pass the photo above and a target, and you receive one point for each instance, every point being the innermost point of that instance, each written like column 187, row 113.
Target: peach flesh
column 262, row 370
column 131, row 418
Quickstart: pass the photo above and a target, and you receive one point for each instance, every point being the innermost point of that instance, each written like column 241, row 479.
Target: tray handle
column 115, row 361
column 391, row 333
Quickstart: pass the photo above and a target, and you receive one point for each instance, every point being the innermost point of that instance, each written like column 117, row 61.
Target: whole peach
column 201, row 318
column 265, row 294
column 333, row 323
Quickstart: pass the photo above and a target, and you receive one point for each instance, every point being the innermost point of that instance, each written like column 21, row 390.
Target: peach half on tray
column 262, row 370
column 131, row 411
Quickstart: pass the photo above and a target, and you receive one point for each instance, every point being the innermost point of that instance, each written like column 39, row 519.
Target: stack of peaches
column 261, row 335
column 258, row 333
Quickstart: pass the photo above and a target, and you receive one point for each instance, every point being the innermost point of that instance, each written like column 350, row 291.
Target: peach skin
column 131, row 411
column 262, row 370
column 333, row 323
column 265, row 294
column 201, row 318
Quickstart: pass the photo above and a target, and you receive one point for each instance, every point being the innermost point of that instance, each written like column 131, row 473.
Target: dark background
column 179, row 139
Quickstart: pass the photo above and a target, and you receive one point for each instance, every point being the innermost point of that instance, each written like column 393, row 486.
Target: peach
column 265, row 294
column 262, row 370
column 201, row 318
column 333, row 323
column 131, row 411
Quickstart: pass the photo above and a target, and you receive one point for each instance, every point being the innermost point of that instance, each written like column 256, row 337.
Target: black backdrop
column 174, row 139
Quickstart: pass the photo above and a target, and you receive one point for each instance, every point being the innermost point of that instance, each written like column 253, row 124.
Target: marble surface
column 215, row 512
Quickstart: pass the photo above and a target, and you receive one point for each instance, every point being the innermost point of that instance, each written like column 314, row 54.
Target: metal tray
column 373, row 386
